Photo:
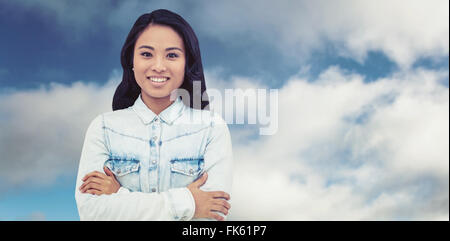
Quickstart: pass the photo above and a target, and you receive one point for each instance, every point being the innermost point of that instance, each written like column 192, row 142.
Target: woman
column 157, row 156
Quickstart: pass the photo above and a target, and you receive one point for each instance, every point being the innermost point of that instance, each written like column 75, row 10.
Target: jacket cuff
column 182, row 203
column 123, row 190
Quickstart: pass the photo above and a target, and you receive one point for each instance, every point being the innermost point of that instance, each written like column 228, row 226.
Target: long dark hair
column 128, row 90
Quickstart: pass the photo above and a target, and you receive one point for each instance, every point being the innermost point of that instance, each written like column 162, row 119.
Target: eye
column 172, row 55
column 146, row 54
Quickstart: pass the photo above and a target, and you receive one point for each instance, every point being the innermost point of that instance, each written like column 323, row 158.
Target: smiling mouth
column 158, row 79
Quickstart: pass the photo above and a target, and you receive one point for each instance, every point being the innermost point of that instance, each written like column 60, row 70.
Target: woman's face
column 159, row 61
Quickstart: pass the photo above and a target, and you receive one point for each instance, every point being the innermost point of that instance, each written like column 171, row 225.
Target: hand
column 207, row 202
column 98, row 183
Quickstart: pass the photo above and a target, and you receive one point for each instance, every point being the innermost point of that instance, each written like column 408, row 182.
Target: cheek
column 179, row 71
column 139, row 70
column 139, row 66
column 138, row 75
column 138, row 62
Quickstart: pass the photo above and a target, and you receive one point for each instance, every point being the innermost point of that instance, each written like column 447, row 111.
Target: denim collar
column 168, row 115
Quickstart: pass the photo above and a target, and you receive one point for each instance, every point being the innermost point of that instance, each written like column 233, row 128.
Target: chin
column 157, row 94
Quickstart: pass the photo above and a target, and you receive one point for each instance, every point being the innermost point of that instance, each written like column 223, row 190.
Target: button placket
column 154, row 154
column 155, row 123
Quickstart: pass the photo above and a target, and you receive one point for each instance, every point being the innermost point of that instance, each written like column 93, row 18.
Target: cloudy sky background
column 363, row 102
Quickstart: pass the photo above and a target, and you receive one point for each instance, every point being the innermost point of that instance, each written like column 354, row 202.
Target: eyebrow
column 167, row 49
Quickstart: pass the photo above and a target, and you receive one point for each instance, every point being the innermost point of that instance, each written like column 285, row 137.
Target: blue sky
column 363, row 98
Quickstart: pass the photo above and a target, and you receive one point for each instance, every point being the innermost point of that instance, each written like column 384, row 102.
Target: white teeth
column 158, row 79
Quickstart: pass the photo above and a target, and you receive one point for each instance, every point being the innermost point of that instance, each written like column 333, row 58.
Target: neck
column 157, row 105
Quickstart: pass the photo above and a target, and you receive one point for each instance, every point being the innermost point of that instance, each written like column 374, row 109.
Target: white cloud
column 43, row 129
column 403, row 30
column 346, row 149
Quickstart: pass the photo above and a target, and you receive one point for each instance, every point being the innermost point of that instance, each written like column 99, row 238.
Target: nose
column 158, row 65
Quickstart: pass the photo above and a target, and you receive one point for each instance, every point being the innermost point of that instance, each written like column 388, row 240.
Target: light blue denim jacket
column 154, row 157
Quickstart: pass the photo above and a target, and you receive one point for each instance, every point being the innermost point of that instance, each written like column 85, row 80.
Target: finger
column 88, row 175
column 92, row 179
column 109, row 173
column 220, row 194
column 89, row 181
column 216, row 216
column 94, row 173
column 95, row 186
column 219, row 208
column 94, row 192
column 201, row 180
column 224, row 203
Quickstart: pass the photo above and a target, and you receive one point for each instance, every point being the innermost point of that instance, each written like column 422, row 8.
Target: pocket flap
column 187, row 166
column 121, row 167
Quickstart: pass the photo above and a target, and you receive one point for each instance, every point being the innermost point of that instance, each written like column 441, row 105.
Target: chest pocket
column 184, row 171
column 126, row 172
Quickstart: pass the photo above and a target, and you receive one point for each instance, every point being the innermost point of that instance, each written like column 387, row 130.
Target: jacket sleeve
column 218, row 160
column 174, row 204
